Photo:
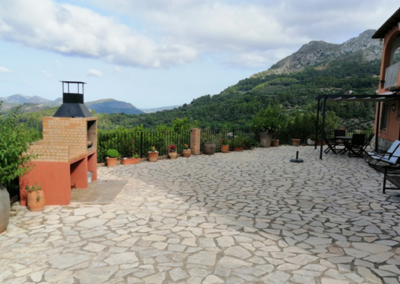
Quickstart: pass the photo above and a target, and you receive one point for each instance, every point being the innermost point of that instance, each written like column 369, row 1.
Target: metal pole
column 141, row 144
column 316, row 126
column 378, row 119
column 322, row 128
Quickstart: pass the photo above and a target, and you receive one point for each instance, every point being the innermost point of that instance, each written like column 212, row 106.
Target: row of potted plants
column 112, row 155
column 209, row 149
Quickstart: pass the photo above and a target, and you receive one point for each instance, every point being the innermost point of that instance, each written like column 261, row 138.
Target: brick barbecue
column 68, row 151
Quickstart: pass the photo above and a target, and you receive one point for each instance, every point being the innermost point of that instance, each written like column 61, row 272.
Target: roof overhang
column 388, row 25
column 361, row 98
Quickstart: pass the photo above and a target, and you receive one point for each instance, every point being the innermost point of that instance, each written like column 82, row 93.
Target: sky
column 155, row 53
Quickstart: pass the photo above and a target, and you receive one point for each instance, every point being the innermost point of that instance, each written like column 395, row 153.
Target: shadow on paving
column 98, row 192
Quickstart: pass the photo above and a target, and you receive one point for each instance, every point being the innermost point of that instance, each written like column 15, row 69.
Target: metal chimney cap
column 74, row 82
column 73, row 103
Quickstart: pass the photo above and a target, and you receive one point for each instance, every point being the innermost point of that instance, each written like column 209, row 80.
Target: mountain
column 151, row 110
column 21, row 99
column 36, row 103
column 112, row 106
column 316, row 53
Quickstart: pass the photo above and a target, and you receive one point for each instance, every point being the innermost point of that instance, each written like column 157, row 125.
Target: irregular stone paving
column 242, row 217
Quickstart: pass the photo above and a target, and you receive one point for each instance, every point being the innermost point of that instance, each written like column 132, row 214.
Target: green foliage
column 183, row 124
column 239, row 141
column 152, row 149
column 269, row 120
column 225, row 142
column 112, row 153
column 15, row 140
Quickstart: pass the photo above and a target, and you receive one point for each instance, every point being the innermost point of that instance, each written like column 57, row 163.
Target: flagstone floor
column 241, row 217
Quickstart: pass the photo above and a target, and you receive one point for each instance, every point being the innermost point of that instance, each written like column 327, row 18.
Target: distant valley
column 108, row 106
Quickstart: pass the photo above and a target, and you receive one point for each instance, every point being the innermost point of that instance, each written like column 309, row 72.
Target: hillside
column 293, row 82
column 112, row 106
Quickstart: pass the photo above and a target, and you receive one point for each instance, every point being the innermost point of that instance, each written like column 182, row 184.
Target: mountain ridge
column 317, row 53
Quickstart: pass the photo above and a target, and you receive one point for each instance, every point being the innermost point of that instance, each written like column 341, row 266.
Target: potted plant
column 224, row 146
column 111, row 158
column 266, row 122
column 296, row 142
column 128, row 161
column 152, row 154
column 172, row 154
column 35, row 197
column 275, row 142
column 186, row 152
column 238, row 143
column 209, row 148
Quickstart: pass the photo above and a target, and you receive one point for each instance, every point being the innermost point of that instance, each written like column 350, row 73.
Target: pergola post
column 323, row 128
column 378, row 119
column 316, row 126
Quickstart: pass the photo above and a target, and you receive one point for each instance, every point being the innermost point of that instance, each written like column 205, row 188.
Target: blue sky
column 155, row 53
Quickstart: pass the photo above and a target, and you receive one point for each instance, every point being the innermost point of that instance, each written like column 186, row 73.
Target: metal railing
column 235, row 137
column 129, row 143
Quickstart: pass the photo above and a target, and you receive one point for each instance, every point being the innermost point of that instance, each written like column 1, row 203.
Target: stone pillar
column 195, row 141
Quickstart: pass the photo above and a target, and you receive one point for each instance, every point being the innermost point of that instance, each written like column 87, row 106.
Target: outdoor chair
column 338, row 143
column 392, row 174
column 356, row 146
column 367, row 143
column 374, row 155
column 330, row 143
column 387, row 162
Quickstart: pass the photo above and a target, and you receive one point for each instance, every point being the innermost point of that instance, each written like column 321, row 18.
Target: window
column 384, row 116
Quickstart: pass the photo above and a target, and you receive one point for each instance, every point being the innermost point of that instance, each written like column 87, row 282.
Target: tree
column 15, row 140
column 269, row 120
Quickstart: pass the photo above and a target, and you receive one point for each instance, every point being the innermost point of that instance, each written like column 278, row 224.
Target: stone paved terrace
column 242, row 217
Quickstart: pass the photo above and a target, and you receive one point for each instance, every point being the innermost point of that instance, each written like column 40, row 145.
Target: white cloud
column 164, row 33
column 94, row 73
column 74, row 30
column 4, row 70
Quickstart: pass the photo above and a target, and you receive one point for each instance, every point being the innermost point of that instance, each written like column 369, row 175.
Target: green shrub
column 15, row 140
column 269, row 120
column 112, row 153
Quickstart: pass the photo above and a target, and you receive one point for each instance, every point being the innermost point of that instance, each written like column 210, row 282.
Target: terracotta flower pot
column 209, row 148
column 237, row 148
column 296, row 142
column 153, row 156
column 276, row 143
column 225, row 148
column 186, row 153
column 111, row 162
column 36, row 200
column 172, row 155
column 129, row 161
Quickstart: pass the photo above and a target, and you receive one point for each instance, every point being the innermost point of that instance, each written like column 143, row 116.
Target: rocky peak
column 319, row 53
